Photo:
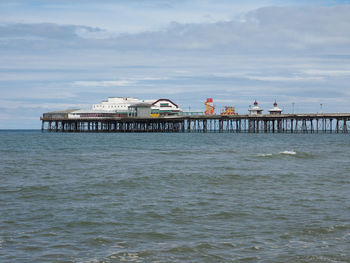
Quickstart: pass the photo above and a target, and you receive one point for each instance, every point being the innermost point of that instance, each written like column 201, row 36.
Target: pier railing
column 285, row 123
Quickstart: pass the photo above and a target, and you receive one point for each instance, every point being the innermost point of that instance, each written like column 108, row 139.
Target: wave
column 288, row 152
column 265, row 155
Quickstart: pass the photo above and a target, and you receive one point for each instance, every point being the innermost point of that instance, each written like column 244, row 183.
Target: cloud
column 103, row 83
column 44, row 31
column 223, row 101
column 124, row 16
column 50, row 37
column 11, row 105
column 329, row 73
column 270, row 29
column 281, row 78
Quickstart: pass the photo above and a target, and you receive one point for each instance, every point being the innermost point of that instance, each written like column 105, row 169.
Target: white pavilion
column 275, row 110
column 255, row 110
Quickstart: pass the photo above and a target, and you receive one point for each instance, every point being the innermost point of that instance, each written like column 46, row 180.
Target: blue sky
column 61, row 54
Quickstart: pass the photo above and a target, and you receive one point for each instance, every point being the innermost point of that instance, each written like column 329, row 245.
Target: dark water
column 174, row 197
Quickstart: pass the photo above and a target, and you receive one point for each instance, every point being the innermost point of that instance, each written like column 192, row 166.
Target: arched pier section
column 285, row 123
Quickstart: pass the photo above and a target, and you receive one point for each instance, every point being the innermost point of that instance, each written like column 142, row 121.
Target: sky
column 62, row 54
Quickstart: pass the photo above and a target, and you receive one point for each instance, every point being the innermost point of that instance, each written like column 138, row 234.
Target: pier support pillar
column 188, row 125
column 337, row 126
column 204, row 126
column 345, row 128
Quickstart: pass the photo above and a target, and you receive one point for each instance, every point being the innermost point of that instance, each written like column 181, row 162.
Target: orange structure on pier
column 228, row 111
column 209, row 107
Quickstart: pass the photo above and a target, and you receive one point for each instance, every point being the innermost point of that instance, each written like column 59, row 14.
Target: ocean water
column 174, row 197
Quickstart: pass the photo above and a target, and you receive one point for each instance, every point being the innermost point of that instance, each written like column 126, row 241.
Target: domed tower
column 255, row 110
column 275, row 110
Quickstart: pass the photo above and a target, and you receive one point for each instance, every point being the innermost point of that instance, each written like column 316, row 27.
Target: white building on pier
column 275, row 110
column 122, row 106
column 255, row 110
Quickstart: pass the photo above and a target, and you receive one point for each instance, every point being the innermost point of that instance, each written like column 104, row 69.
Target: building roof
column 144, row 105
column 255, row 108
column 276, row 109
column 61, row 111
column 165, row 100
column 93, row 111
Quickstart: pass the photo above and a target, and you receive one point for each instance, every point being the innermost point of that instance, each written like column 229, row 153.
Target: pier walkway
column 285, row 123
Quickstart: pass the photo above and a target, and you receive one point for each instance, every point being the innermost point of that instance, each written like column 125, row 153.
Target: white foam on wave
column 264, row 154
column 130, row 257
column 289, row 152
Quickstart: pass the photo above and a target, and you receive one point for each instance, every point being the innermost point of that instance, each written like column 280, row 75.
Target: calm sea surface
column 174, row 197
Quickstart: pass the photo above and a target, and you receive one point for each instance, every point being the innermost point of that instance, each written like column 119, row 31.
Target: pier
column 284, row 123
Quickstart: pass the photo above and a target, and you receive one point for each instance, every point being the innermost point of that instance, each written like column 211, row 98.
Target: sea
column 174, row 197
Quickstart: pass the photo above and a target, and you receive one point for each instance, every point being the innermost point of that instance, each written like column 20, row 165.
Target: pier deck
column 285, row 123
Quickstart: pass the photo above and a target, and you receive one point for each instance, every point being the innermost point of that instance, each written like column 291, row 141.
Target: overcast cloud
column 234, row 53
